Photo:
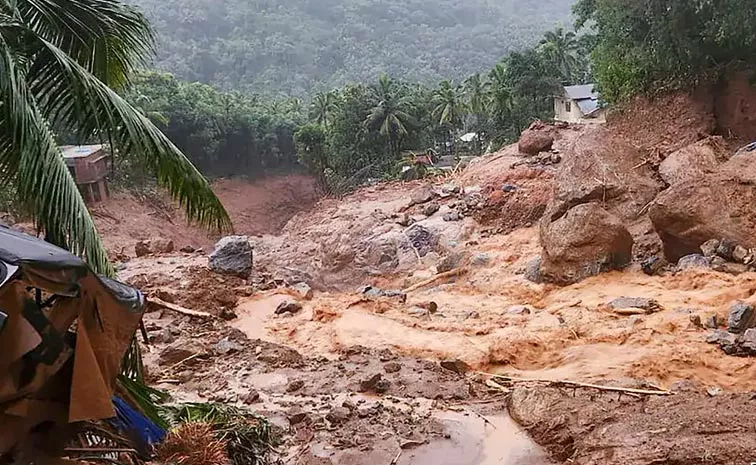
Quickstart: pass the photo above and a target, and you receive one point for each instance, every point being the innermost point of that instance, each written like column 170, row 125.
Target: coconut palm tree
column 322, row 108
column 560, row 50
column 449, row 108
column 60, row 61
column 390, row 115
column 501, row 98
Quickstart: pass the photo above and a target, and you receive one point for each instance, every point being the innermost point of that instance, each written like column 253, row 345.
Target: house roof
column 588, row 106
column 585, row 91
column 80, row 151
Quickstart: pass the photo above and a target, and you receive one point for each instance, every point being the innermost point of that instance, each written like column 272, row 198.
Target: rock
column 142, row 248
column 481, row 259
column 405, row 220
column 472, row 192
column 251, row 397
column 303, row 290
column 748, row 342
column 431, row 209
column 364, row 411
column 740, row 254
column 417, row 312
column 653, row 265
column 165, row 336
column 374, row 292
column 714, row 391
column 724, row 266
column 534, row 141
column 226, row 346
column 693, row 261
column 430, row 306
column 533, row 271
column 421, row 196
column 642, row 303
column 288, row 306
column 422, row 239
column 742, row 317
column 161, row 245
column 719, row 205
column 695, row 320
column 509, row 188
column 338, row 415
column 456, row 365
column 584, row 242
column 450, row 189
column 369, row 384
column 725, row 249
column 227, row 315
column 709, row 248
column 712, row 322
column 232, row 255
column 452, row 216
column 392, row 367
column 449, row 262
column 181, row 351
column 519, row 310
column 299, row 417
column 722, row 338
column 187, row 249
column 694, row 161
column 295, row 385
column 382, row 386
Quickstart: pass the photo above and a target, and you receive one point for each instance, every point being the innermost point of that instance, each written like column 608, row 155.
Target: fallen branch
column 631, row 311
column 396, row 459
column 177, row 308
column 438, row 277
column 580, row 385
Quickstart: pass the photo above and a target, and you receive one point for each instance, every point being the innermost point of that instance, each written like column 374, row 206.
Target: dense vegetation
column 661, row 45
column 297, row 46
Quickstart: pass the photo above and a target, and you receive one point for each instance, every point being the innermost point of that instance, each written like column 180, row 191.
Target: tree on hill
column 390, row 116
column 59, row 63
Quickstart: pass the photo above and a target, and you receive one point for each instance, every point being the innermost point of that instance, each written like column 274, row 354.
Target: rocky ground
column 365, row 327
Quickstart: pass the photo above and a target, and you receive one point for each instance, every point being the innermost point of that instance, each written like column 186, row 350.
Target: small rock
column 370, row 383
column 709, row 248
column 472, row 315
column 421, row 196
column 450, row 189
column 712, row 322
column 430, row 306
column 695, row 320
column 742, row 317
column 740, row 254
column 226, row 346
column 431, row 209
column 452, row 216
column 725, row 249
column 161, row 245
column 299, row 417
column 417, row 312
column 518, row 310
column 288, row 306
column 165, row 336
column 142, row 248
column 723, row 339
column 295, row 385
column 338, row 415
column 748, row 342
column 723, row 266
column 693, row 261
column 187, row 249
column 405, row 220
column 303, row 290
column 370, row 291
column 227, row 314
column 481, row 259
column 714, row 391
column 382, row 386
column 349, row 404
column 509, row 188
column 251, row 397
column 449, row 262
column 456, row 365
column 364, row 411
column 533, row 271
column 392, row 367
column 643, row 303
column 652, row 265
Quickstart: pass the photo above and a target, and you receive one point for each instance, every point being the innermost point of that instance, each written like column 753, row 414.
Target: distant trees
column 390, row 115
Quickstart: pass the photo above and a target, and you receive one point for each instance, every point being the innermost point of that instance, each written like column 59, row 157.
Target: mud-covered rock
column 184, row 351
column 718, row 206
column 635, row 302
column 142, row 248
column 252, row 397
column 431, row 208
column 725, row 340
column 481, row 259
column 422, row 239
column 452, row 216
column 422, row 196
column 161, row 245
column 533, row 271
column 226, row 346
column 303, row 290
column 456, row 365
column 232, row 255
column 586, row 241
column 338, row 415
column 694, row 161
column 288, row 306
column 450, row 262
column 742, row 317
column 534, row 141
column 295, row 385
column 748, row 342
column 709, row 248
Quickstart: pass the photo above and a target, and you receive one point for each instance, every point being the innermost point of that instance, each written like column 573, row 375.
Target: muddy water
column 473, row 442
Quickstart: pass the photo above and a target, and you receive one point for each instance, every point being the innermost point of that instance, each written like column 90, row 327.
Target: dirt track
column 309, row 372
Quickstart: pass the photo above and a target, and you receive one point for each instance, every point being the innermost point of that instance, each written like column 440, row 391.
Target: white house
column 579, row 104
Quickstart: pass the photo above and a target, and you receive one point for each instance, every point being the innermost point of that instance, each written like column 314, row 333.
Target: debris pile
column 740, row 337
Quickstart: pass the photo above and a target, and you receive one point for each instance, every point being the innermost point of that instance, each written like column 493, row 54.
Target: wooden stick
column 631, row 311
column 396, row 459
column 177, row 308
column 438, row 277
column 580, row 385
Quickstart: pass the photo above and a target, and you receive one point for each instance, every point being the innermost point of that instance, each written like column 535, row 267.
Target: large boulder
column 584, row 242
column 536, row 140
column 603, row 167
column 232, row 255
column 719, row 206
column 694, row 161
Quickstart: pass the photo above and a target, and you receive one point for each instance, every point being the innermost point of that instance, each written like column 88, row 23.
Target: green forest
column 295, row 47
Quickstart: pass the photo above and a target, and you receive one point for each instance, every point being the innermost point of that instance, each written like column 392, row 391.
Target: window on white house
column 568, row 106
